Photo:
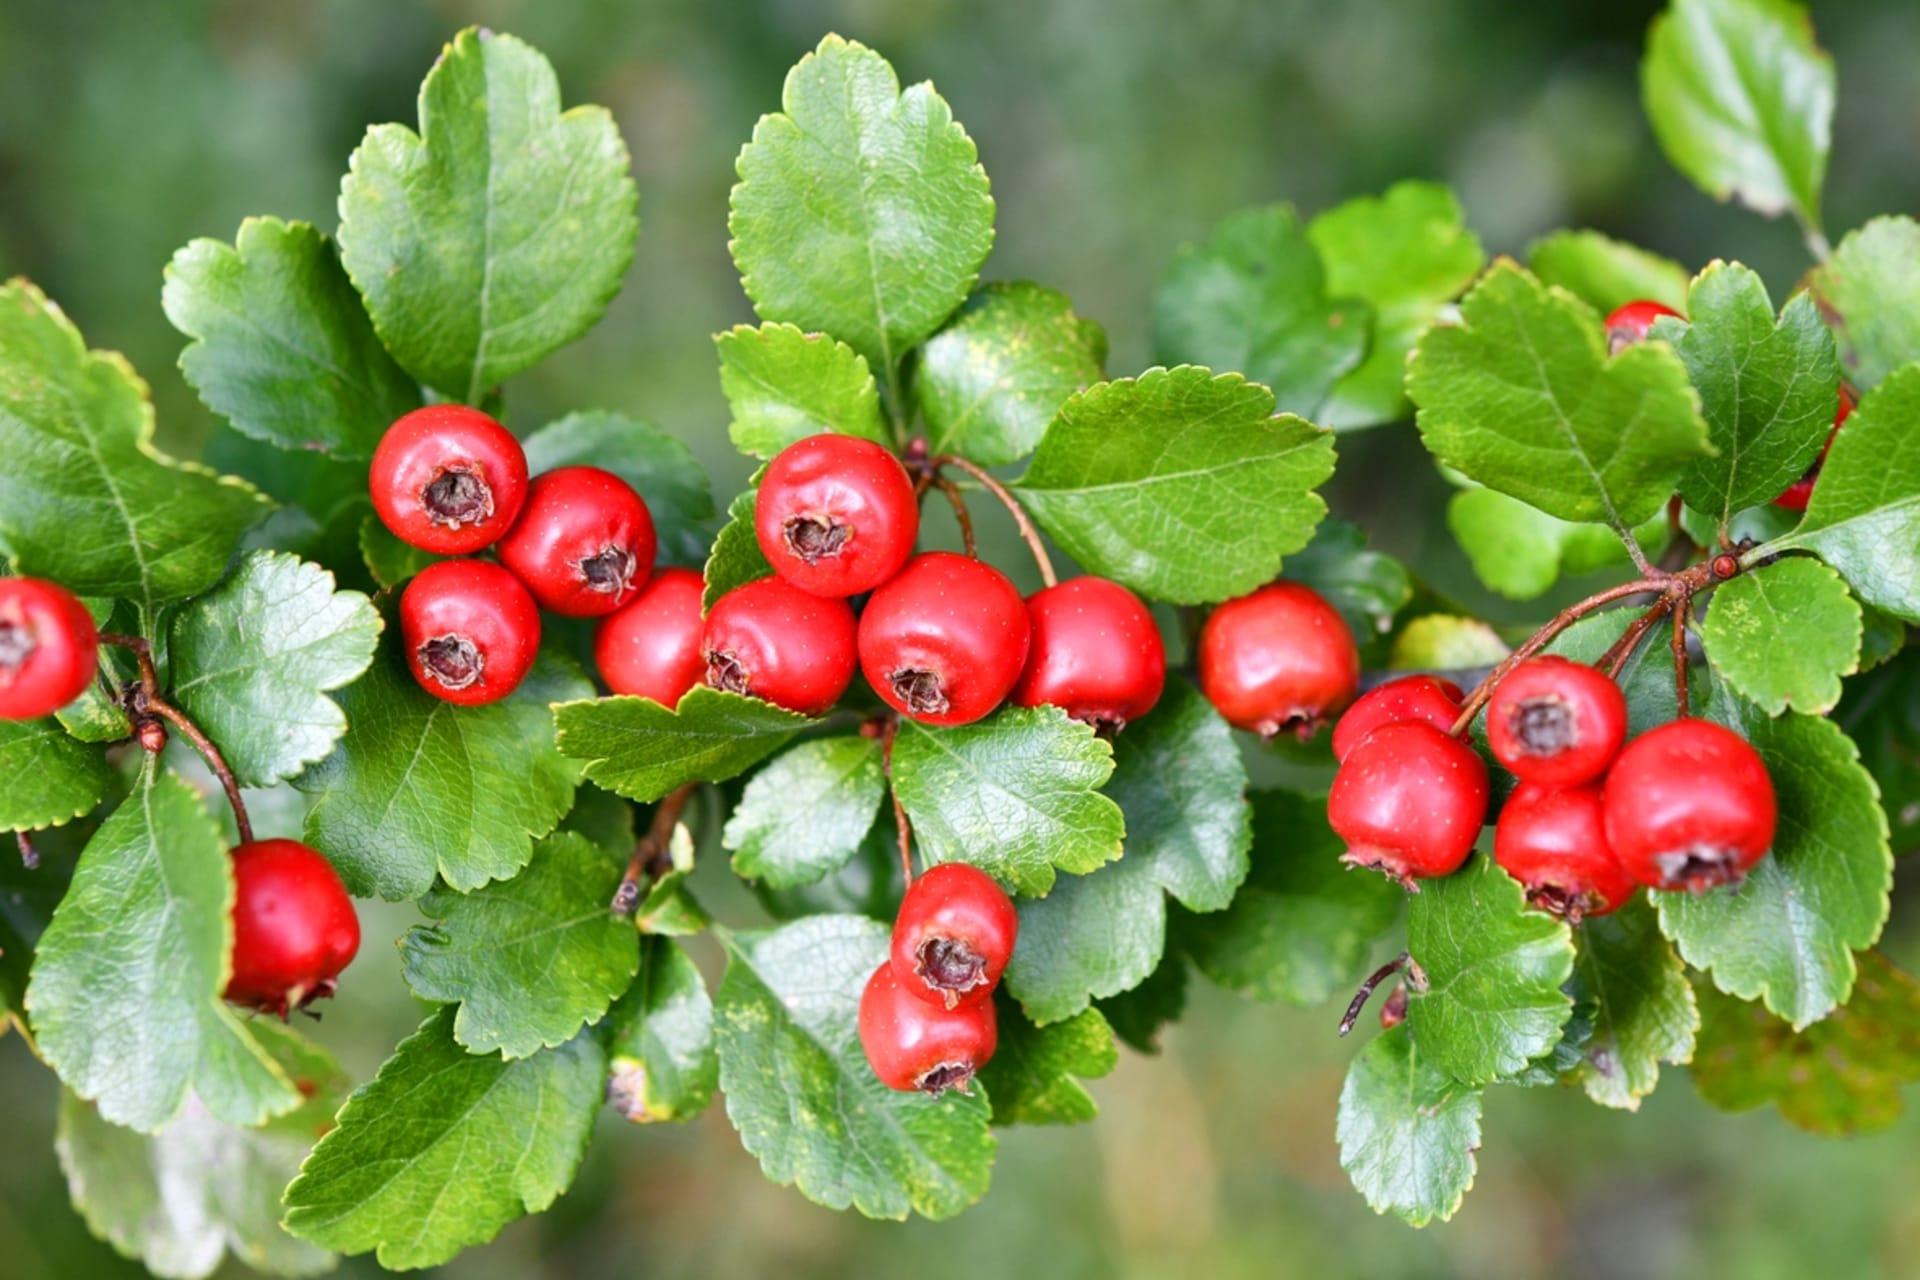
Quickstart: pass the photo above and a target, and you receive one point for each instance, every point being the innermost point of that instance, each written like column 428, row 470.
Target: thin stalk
column 1014, row 509
column 902, row 827
column 651, row 858
column 146, row 700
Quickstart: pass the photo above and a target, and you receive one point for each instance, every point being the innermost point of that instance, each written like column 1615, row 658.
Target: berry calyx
column 1689, row 805
column 1096, row 654
column 1281, row 660
column 836, row 515
column 584, row 543
column 945, row 641
column 1800, row 492
column 1409, row 800
column 448, row 479
column 771, row 640
column 1553, row 840
column 1556, row 722
column 953, row 936
column 1631, row 323
column 49, row 648
column 470, row 631
column 650, row 648
column 1427, row 698
column 916, row 1045
column 294, row 927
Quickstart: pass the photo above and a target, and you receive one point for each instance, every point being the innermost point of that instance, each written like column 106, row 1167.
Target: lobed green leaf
column 1783, row 635
column 664, row 1067
column 784, row 385
column 807, row 813
column 1408, row 1131
column 641, row 750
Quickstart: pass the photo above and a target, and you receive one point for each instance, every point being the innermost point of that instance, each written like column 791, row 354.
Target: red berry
column 945, row 640
column 49, row 649
column 651, row 647
column 1409, row 800
column 769, row 639
column 1689, row 805
column 1278, row 661
column 448, row 479
column 470, row 630
column 953, row 936
column 1631, row 323
column 912, row 1044
column 1096, row 654
column 1553, row 840
column 1801, row 491
column 1556, row 722
column 1427, row 698
column 294, row 927
column 836, row 515
column 584, row 543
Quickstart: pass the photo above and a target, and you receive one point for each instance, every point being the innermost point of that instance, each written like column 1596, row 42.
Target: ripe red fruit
column 584, row 543
column 1689, row 805
column 1427, row 698
column 836, row 515
column 1409, row 800
column 953, row 936
column 470, row 631
column 1278, row 661
column 294, row 927
column 651, row 647
column 448, row 479
column 771, row 640
column 1553, row 840
column 945, row 640
column 49, row 649
column 1556, row 722
column 1096, row 654
column 1800, row 491
column 1631, row 323
column 912, row 1044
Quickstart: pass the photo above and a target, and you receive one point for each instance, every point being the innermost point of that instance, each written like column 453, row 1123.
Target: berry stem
column 904, row 827
column 1682, row 606
column 958, row 502
column 1402, row 963
column 144, row 701
column 29, row 856
column 1615, row 658
column 651, row 858
column 1011, row 503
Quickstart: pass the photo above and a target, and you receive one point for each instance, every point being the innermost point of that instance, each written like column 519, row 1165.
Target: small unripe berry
column 294, row 927
column 954, row 935
column 1553, row 840
column 1556, row 722
column 1409, row 800
column 1689, row 805
column 913, row 1044
column 836, row 515
column 49, row 648
column 1281, row 660
column 1427, row 698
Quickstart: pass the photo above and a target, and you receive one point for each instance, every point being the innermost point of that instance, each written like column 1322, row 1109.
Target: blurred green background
column 1113, row 131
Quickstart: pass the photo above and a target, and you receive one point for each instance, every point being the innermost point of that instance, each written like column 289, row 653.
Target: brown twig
column 958, row 501
column 1011, row 503
column 144, row 700
column 652, row 856
column 903, row 827
column 1400, row 963
column 29, row 856
column 1615, row 658
column 1682, row 606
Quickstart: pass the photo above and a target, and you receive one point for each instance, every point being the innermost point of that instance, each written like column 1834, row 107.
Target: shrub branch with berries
column 527, row 676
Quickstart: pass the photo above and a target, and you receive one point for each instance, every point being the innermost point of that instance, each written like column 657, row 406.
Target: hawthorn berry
column 1409, row 800
column 1689, row 805
column 836, row 515
column 954, row 935
column 584, row 542
column 913, row 1044
column 945, row 641
column 1427, row 698
column 1556, row 722
column 1631, row 323
column 771, row 640
column 1553, row 840
column 651, row 647
column 1278, row 661
column 1096, row 654
column 1801, row 491
column 49, row 648
column 294, row 927
column 448, row 479
column 470, row 631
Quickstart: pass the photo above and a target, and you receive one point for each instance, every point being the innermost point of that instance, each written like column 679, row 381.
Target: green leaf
column 1643, row 1012
column 1368, row 587
column 1869, row 291
column 281, row 347
column 861, row 211
column 1032, row 1077
column 806, row 1103
column 1408, row 1132
column 1607, row 274
column 1741, row 100
column 990, row 382
column 1092, row 937
column 1181, row 785
column 252, row 661
column 1137, row 1016
column 1443, row 642
column 1405, row 254
column 389, row 560
column 805, row 814
column 85, row 498
column 1521, row 551
column 52, row 778
column 659, row 466
column 668, row 909
column 783, row 385
column 1254, row 300
column 498, row 233
column 1783, row 634
column 1016, row 795
column 664, row 1066
column 445, row 1147
column 642, row 751
column 736, row 558
column 1182, row 485
column 1522, row 397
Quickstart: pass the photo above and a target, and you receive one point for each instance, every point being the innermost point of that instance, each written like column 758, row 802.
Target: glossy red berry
column 916, row 1045
column 1096, row 654
column 651, row 647
column 1427, row 698
column 1556, row 722
column 1409, row 800
column 584, row 543
column 448, row 479
column 1281, row 660
column 470, row 631
column 1801, row 491
column 294, row 927
column 1553, row 840
column 771, row 640
column 1689, row 805
column 49, row 649
column 1631, row 323
column 953, row 936
column 836, row 515
column 945, row 640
